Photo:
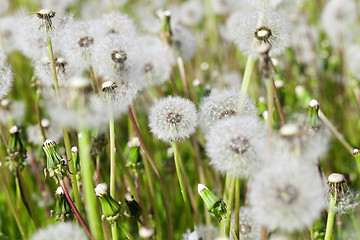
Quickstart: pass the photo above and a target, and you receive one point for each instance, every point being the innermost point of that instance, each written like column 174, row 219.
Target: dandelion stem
column 230, row 206
column 180, row 63
column 337, row 134
column 278, row 105
column 182, row 187
column 93, row 79
column 270, row 105
column 53, row 68
column 86, row 174
column 263, row 235
column 73, row 207
column 126, row 232
column 12, row 206
column 247, row 75
column 331, row 216
column 157, row 172
column 114, row 231
column 233, row 233
column 38, row 115
column 237, row 208
column 112, row 156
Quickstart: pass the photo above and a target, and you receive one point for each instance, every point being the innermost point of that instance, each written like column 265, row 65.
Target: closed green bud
column 55, row 164
column 110, row 208
column 63, row 209
column 213, row 204
column 313, row 115
column 166, row 32
column 16, row 150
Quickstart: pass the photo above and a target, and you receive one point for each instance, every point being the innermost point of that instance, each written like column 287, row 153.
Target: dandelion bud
column 133, row 156
column 213, row 204
column 313, row 115
column 63, row 209
column 166, row 32
column 132, row 208
column 110, row 208
column 56, row 165
column 16, row 150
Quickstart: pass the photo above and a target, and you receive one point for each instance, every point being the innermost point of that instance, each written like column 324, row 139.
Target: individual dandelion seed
column 232, row 145
column 203, row 233
column 222, row 104
column 262, row 27
column 286, row 195
column 249, row 229
column 346, row 199
column 338, row 19
column 173, row 119
column 60, row 231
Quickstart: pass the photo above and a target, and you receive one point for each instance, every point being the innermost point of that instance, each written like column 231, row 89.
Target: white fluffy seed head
column 287, row 194
column 6, row 76
column 336, row 178
column 202, row 232
column 249, row 229
column 272, row 29
column 173, row 119
column 61, row 230
column 233, row 145
column 101, row 189
column 223, row 104
column 146, row 232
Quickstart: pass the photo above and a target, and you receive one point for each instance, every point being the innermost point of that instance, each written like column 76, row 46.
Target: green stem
column 237, row 208
column 37, row 108
column 234, row 233
column 247, row 75
column 230, row 207
column 114, row 231
column 270, row 105
column 150, row 181
column 11, row 202
column 112, row 157
column 86, row 175
column 182, row 187
column 356, row 225
column 126, row 232
column 331, row 216
column 74, row 182
column 53, row 68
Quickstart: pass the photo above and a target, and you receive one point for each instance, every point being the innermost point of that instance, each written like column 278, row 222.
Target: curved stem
column 331, row 216
column 230, row 207
column 182, row 187
column 73, row 207
column 247, row 75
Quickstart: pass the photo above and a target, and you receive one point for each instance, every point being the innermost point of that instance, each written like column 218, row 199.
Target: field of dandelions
column 179, row 119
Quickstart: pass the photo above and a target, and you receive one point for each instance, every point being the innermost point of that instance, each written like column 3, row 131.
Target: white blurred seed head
column 6, row 76
column 233, row 143
column 101, row 189
column 287, row 194
column 173, row 119
column 249, row 229
column 203, row 233
column 222, row 104
column 60, row 231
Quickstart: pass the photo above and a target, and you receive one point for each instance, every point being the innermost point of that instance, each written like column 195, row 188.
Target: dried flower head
column 222, row 104
column 346, row 199
column 46, row 16
column 288, row 195
column 232, row 145
column 173, row 119
column 262, row 27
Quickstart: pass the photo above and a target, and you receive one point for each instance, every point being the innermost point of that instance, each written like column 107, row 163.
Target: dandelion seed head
column 249, row 229
column 337, row 19
column 202, row 233
column 222, row 104
column 232, row 145
column 272, row 29
column 223, row 6
column 6, row 76
column 14, row 111
column 173, row 119
column 146, row 232
column 155, row 65
column 191, row 12
column 287, row 195
column 183, row 43
column 60, row 231
column 9, row 32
